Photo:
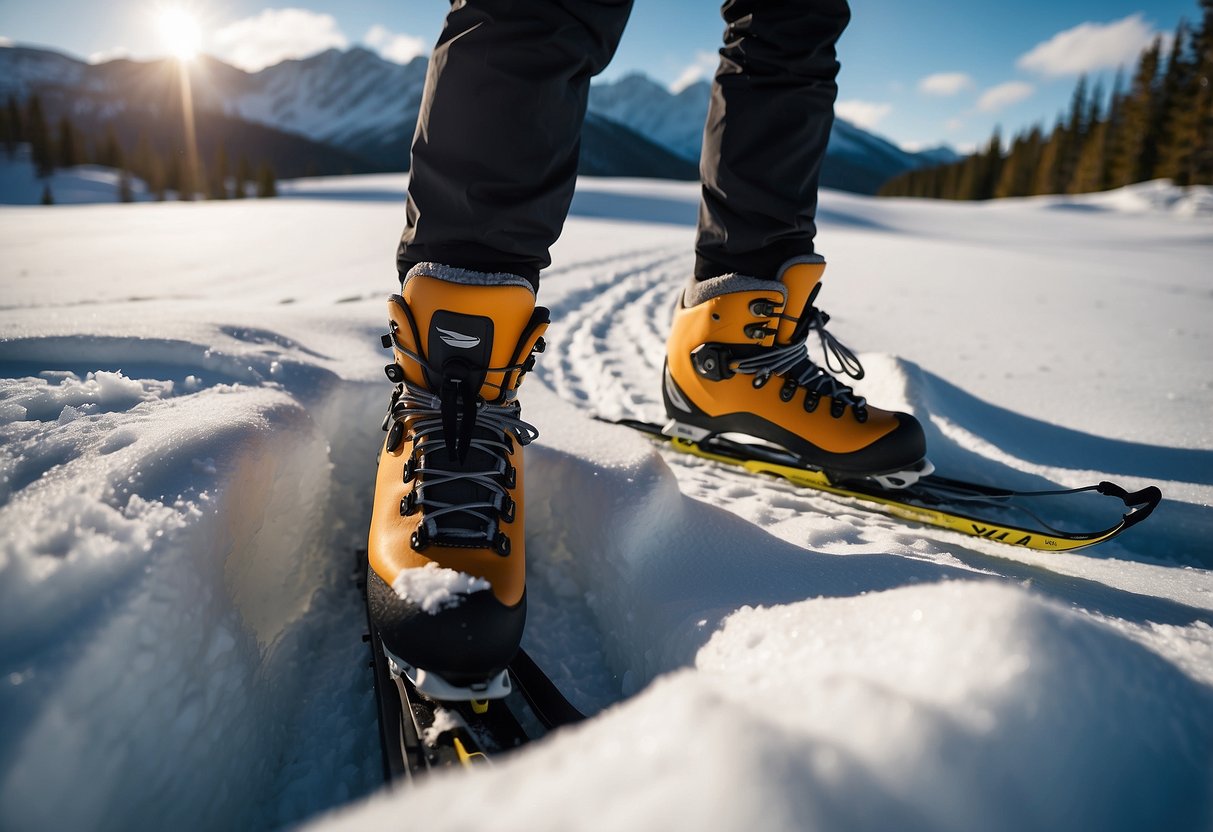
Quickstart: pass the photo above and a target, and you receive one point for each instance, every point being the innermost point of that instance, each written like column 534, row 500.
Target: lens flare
column 180, row 32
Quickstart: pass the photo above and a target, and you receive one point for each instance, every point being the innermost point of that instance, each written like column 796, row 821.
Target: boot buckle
column 712, row 361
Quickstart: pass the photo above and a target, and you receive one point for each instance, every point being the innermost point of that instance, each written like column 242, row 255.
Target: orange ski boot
column 447, row 580
column 737, row 362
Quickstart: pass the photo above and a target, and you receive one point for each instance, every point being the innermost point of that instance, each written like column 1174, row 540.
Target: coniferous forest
column 163, row 167
column 1156, row 125
column 176, row 152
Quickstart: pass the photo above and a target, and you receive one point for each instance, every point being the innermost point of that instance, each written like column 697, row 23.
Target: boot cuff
column 811, row 259
column 698, row 291
column 467, row 277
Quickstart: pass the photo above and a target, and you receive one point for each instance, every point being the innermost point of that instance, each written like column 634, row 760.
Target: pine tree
column 142, row 159
column 1072, row 139
column 993, row 165
column 1188, row 136
column 47, row 197
column 8, row 132
column 154, row 177
column 949, row 183
column 1019, row 168
column 172, row 173
column 126, row 193
column 244, row 175
column 187, row 187
column 16, row 125
column 147, row 165
column 1199, row 169
column 1114, row 130
column 1127, row 166
column 1168, row 99
column 266, row 185
column 1087, row 172
column 69, row 152
column 110, row 153
column 38, row 136
column 1046, row 176
column 1011, row 166
column 218, row 180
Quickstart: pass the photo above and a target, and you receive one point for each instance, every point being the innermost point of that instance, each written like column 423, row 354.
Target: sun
column 179, row 32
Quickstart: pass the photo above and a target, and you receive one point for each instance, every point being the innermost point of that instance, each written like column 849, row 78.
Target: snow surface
column 82, row 184
column 190, row 397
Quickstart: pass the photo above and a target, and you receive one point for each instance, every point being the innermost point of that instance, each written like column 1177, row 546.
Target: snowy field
column 190, row 397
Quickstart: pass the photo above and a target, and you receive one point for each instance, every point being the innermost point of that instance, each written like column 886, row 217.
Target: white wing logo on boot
column 672, row 391
column 457, row 339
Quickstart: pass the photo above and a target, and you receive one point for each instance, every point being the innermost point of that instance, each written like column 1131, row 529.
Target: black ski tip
column 544, row 698
column 1142, row 502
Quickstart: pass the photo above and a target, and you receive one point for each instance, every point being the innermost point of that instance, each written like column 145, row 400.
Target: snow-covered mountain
column 672, row 120
column 366, row 106
column 856, row 159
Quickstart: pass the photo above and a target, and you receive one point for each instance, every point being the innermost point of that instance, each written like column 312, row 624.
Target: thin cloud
column 1004, row 95
column 945, row 83
column 398, row 48
column 701, row 69
column 5, row 41
column 865, row 114
column 275, row 35
column 1088, row 47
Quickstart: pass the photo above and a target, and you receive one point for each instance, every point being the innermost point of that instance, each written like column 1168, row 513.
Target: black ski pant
column 494, row 158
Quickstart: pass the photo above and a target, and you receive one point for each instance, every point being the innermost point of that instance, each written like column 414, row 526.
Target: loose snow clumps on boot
column 449, row 490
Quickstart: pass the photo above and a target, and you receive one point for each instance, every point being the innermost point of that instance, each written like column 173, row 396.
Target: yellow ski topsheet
column 1013, row 535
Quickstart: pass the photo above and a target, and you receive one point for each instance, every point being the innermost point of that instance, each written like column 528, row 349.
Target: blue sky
column 920, row 73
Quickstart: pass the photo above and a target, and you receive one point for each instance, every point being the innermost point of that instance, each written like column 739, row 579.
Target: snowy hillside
column 20, row 184
column 672, row 120
column 351, row 99
column 186, row 461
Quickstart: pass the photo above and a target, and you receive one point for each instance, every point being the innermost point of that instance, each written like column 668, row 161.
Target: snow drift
column 189, row 410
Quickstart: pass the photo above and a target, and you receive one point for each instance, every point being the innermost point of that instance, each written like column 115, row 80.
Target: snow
column 435, row 589
column 189, row 417
column 82, row 184
column 444, row 720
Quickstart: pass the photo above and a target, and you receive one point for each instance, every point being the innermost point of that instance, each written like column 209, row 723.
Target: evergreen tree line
column 1160, row 127
column 66, row 146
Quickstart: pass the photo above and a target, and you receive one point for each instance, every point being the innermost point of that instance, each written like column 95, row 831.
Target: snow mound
column 434, row 588
column 63, row 395
column 79, row 185
column 166, row 568
column 1158, row 196
column 888, row 710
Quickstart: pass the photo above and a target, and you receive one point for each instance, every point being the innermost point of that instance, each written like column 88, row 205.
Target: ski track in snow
column 184, row 480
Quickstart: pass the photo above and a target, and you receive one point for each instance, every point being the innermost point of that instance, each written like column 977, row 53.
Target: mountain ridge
column 365, row 107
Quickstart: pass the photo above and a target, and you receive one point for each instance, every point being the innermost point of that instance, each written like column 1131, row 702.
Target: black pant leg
column 768, row 125
column 494, row 158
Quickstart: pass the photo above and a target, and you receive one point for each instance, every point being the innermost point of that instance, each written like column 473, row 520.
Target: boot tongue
column 467, row 329
column 800, row 280
column 464, row 329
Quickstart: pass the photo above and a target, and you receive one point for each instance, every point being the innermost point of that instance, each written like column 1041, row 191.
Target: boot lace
column 463, row 494
column 793, row 364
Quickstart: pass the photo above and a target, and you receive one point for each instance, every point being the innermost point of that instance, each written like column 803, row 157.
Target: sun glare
column 179, row 32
